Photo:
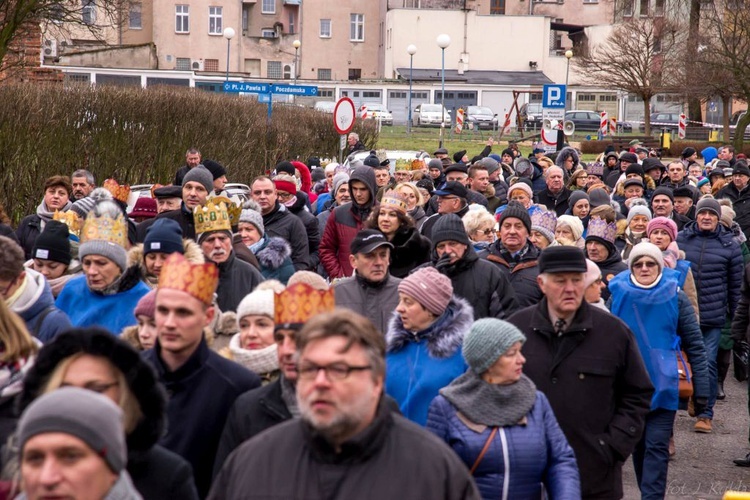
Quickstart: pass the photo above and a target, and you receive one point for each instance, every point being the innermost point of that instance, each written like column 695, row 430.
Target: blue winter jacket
column 537, row 453
column 43, row 320
column 717, row 268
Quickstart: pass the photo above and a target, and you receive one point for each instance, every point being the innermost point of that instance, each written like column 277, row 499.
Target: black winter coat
column 741, row 320
column 391, row 458
column 283, row 224
column 411, row 250
column 182, row 216
column 237, row 278
column 557, row 204
column 312, row 228
column 27, row 232
column 740, row 204
column 597, row 385
column 610, row 267
column 522, row 275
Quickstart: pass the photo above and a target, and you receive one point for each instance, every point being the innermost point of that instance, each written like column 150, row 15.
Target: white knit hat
column 258, row 302
column 646, row 249
column 574, row 223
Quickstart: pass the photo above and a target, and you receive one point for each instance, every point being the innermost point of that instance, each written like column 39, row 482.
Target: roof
column 478, row 77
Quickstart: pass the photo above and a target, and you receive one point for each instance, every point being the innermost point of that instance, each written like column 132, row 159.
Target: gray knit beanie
column 449, row 227
column 487, row 340
column 639, row 210
column 82, row 413
column 112, row 251
column 201, row 175
column 339, row 180
column 253, row 217
column 646, row 249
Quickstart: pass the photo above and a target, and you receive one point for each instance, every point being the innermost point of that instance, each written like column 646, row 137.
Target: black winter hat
column 456, row 167
column 216, row 169
column 313, row 161
column 666, row 192
column 517, row 211
column 53, row 243
column 741, row 168
column 688, row 152
column 449, row 227
column 629, row 157
column 562, row 259
column 165, row 236
column 285, row 167
column 458, row 155
column 372, row 161
column 634, row 169
column 651, row 164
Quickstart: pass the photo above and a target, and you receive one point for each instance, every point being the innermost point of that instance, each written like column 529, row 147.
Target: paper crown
column 598, row 228
column 545, row 220
column 197, row 280
column 403, row 164
column 105, row 228
column 394, row 200
column 418, row 164
column 212, row 217
column 596, row 168
column 300, row 302
column 70, row 219
column 234, row 208
column 120, row 192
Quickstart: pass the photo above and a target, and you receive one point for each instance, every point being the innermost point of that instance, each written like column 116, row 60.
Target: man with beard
column 83, row 183
column 237, row 278
column 348, row 443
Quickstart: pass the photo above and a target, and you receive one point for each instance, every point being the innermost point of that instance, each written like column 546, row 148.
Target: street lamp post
column 568, row 56
column 443, row 41
column 228, row 34
column 296, row 44
column 411, row 50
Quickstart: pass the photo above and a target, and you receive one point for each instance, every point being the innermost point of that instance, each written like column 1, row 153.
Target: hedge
column 674, row 150
column 140, row 135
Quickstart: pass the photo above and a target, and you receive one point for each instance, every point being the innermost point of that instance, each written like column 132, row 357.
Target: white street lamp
column 296, row 44
column 411, row 50
column 228, row 34
column 443, row 41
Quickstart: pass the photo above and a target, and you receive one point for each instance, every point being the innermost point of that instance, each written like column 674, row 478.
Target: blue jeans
column 651, row 455
column 711, row 337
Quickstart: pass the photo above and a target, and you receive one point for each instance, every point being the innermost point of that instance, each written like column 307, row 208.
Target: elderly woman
column 410, row 249
column 274, row 254
column 95, row 360
column 634, row 230
column 57, row 190
column 52, row 256
column 424, row 341
column 414, row 202
column 109, row 290
column 480, row 226
column 500, row 425
column 543, row 226
column 649, row 300
column 569, row 231
column 592, row 281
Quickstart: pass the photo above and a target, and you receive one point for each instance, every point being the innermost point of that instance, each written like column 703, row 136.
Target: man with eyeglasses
column 348, row 443
column 450, row 199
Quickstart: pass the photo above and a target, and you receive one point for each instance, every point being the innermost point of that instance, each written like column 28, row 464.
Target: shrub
column 140, row 135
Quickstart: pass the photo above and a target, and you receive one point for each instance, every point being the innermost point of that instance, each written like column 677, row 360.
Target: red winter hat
column 286, row 186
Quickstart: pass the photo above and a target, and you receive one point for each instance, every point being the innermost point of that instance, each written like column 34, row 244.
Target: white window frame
column 136, row 8
column 323, row 32
column 356, row 27
column 182, row 16
column 329, row 73
column 264, row 6
column 266, row 31
column 88, row 12
column 215, row 20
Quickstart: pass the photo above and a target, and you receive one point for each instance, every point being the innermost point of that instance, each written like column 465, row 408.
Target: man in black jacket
column 739, row 193
column 348, row 443
column 192, row 160
column 588, row 364
column 555, row 195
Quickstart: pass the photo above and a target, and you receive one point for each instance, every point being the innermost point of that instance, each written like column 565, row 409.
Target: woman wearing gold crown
column 109, row 290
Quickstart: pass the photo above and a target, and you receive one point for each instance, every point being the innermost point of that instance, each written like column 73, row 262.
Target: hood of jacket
column 274, row 252
column 365, row 175
column 304, row 176
column 192, row 252
column 443, row 337
column 564, row 152
column 36, row 297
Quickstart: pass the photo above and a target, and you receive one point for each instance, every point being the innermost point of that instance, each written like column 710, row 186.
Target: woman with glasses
column 481, row 228
column 94, row 359
column 647, row 297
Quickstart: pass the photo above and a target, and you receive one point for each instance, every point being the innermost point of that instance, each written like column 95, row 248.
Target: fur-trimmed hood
column 193, row 254
column 274, row 253
column 443, row 337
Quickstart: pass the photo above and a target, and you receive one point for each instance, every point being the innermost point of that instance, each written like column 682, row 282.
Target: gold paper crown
column 212, row 217
column 300, row 302
column 233, row 209
column 197, row 280
column 105, row 228
column 403, row 164
column 70, row 219
column 417, row 164
column 394, row 200
column 120, row 192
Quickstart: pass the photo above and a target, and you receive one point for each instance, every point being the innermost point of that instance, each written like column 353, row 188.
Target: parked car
column 584, row 120
column 324, row 106
column 661, row 121
column 430, row 114
column 392, row 156
column 531, row 115
column 480, row 117
column 241, row 191
column 378, row 111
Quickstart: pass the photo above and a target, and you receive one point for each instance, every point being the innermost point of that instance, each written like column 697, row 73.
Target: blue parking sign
column 553, row 96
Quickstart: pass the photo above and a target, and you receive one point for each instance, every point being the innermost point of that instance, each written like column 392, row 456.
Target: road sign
column 553, row 114
column 343, row 115
column 553, row 96
column 248, row 87
column 305, row 90
column 681, row 126
column 264, row 98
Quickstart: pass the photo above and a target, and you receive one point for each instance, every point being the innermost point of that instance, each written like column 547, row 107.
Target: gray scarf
column 46, row 214
column 491, row 404
column 289, row 396
column 123, row 489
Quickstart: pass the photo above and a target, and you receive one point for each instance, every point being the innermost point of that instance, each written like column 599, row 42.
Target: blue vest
column 682, row 267
column 652, row 315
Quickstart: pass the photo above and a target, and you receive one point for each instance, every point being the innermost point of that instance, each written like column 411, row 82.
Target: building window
column 497, row 7
column 644, row 7
column 134, row 20
column 268, row 7
column 371, row 94
column 586, row 97
column 627, row 8
column 357, row 28
column 88, row 12
column 355, row 73
column 273, row 68
column 182, row 19
column 268, row 33
column 325, row 28
column 324, row 74
column 658, row 8
column 245, row 16
column 182, row 64
column 323, row 92
column 214, row 21
column 287, row 72
column 291, row 23
column 211, row 64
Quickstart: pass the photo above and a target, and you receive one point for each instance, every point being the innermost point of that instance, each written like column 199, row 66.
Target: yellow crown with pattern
column 70, row 219
column 300, row 302
column 197, row 280
column 105, row 228
column 394, row 200
column 212, row 217
column 233, row 209
column 120, row 192
column 418, row 164
column 403, row 164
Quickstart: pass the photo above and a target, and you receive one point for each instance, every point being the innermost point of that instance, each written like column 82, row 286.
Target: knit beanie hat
column 147, row 305
column 450, row 227
column 592, row 273
column 201, row 175
column 710, row 205
column 53, row 243
column 574, row 223
column 259, row 302
column 727, row 216
column 598, row 197
column 521, row 186
column 165, row 236
column 436, row 164
column 662, row 190
column 639, row 210
column 663, row 223
column 428, row 287
column 339, row 180
column 83, row 206
column 517, row 211
column 252, row 216
column 112, row 251
column 309, row 278
column 577, row 196
column 487, row 340
column 217, row 170
column 82, row 413
column 645, row 249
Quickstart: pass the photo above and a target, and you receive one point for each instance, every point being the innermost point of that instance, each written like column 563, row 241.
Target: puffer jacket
column 522, row 275
column 275, row 259
column 411, row 249
column 537, row 452
column 27, row 232
column 610, row 267
column 192, row 252
column 717, row 268
column 280, row 222
column 36, row 306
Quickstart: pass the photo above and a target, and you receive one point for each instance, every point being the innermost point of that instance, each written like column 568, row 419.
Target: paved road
column 703, row 467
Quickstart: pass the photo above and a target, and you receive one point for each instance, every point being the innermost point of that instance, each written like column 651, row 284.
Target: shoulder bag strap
column 484, row 450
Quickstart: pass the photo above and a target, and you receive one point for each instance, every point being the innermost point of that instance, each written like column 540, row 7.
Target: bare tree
column 638, row 57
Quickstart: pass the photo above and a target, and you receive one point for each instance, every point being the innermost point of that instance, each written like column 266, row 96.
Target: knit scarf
column 289, row 396
column 46, row 215
column 12, row 373
column 260, row 361
column 258, row 245
column 514, row 259
column 491, row 404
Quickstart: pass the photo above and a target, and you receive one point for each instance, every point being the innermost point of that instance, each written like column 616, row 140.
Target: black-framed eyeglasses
column 486, row 232
column 283, row 195
column 334, row 371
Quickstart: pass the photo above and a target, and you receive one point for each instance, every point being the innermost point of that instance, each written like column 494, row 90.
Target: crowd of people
column 495, row 326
